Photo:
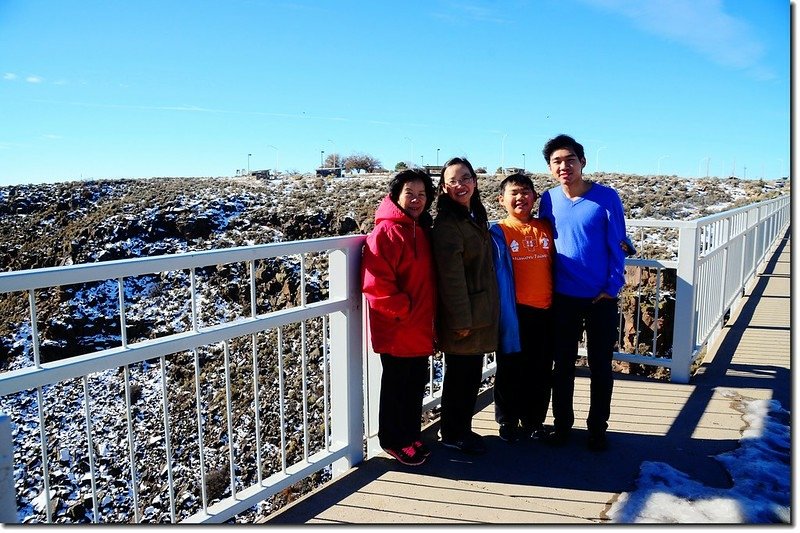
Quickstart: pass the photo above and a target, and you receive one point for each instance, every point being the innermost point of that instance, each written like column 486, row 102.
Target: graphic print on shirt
column 530, row 242
column 530, row 246
column 545, row 242
column 533, row 247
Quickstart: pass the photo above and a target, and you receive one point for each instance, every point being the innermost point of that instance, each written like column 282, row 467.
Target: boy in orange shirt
column 523, row 257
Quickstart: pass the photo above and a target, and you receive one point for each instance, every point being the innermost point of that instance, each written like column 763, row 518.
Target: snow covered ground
column 760, row 469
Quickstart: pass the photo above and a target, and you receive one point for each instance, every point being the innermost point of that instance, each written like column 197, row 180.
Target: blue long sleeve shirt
column 587, row 233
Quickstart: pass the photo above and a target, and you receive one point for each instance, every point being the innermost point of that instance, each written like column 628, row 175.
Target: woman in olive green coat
column 468, row 310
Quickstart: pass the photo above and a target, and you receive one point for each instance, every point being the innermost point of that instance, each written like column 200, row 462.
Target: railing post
column 346, row 358
column 685, row 314
column 8, row 498
column 372, row 389
column 762, row 239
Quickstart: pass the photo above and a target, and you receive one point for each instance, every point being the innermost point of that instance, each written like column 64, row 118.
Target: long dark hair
column 475, row 204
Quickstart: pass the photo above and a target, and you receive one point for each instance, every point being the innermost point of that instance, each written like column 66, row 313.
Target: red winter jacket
column 398, row 280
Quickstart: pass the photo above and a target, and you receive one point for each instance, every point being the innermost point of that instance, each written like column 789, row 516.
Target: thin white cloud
column 474, row 11
column 197, row 109
column 702, row 25
column 34, row 79
column 9, row 76
column 10, row 146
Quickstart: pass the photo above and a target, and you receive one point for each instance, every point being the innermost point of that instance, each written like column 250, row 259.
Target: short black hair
column 412, row 174
column 517, row 179
column 563, row 141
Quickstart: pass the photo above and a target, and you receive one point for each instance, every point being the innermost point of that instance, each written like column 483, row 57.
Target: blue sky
column 112, row 88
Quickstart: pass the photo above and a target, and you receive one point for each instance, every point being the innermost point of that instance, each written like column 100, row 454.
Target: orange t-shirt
column 531, row 249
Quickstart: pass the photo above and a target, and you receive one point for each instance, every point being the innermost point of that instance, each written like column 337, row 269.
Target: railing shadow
column 574, row 467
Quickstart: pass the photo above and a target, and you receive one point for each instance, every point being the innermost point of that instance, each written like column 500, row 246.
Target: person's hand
column 461, row 333
column 602, row 296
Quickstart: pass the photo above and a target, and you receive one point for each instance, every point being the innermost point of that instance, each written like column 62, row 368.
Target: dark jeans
column 403, row 382
column 600, row 320
column 462, row 380
column 522, row 380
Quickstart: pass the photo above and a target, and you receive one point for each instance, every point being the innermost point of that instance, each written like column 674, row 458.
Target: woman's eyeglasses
column 462, row 181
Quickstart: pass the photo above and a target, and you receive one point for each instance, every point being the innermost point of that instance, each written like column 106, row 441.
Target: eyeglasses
column 462, row 181
column 569, row 161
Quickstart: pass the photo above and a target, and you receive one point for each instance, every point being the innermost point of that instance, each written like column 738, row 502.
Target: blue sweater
column 508, row 341
column 587, row 235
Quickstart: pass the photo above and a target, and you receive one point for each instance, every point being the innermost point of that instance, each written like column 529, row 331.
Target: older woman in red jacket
column 398, row 281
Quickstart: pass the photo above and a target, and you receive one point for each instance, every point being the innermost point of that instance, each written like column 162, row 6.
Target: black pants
column 601, row 320
column 403, row 381
column 462, row 380
column 522, row 381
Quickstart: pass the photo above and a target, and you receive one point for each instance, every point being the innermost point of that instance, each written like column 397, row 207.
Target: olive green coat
column 466, row 282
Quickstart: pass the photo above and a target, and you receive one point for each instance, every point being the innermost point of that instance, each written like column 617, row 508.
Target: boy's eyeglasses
column 570, row 162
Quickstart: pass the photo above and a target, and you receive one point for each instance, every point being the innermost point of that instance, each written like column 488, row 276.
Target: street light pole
column 699, row 166
column 503, row 153
column 248, row 164
column 334, row 152
column 321, row 164
column 597, row 159
column 437, row 157
column 412, row 147
column 276, row 157
column 523, row 163
column 422, row 161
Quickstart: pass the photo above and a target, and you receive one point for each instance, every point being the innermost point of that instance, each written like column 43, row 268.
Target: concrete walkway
column 531, row 483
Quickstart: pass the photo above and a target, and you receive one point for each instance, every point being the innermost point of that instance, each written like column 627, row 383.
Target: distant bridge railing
column 716, row 258
column 99, row 420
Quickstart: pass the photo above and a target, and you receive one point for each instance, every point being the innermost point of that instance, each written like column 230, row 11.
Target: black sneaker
column 421, row 448
column 557, row 438
column 508, row 433
column 597, row 442
column 407, row 455
column 537, row 433
column 472, row 444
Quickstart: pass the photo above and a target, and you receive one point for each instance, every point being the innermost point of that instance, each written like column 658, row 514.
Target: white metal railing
column 715, row 260
column 314, row 355
column 324, row 437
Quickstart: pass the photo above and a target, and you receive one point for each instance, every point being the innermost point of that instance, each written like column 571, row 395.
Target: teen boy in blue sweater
column 588, row 226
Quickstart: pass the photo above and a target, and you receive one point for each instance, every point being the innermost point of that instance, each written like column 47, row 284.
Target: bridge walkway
column 683, row 425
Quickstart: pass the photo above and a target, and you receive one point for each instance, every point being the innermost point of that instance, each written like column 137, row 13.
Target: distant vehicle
column 434, row 170
column 336, row 172
column 515, row 170
column 261, row 174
